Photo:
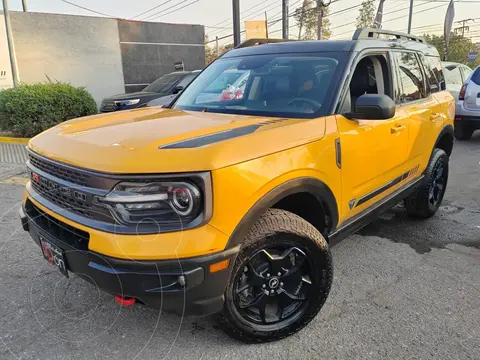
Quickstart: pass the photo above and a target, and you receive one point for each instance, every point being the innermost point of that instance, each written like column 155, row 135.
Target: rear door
column 472, row 94
column 425, row 114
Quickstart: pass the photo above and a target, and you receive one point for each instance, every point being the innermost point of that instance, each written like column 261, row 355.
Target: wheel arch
column 314, row 189
column 445, row 140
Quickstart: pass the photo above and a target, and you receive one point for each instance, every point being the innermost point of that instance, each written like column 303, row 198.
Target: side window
column 412, row 85
column 436, row 66
column 371, row 76
column 433, row 84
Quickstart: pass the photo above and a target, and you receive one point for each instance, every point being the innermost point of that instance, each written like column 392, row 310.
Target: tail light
column 461, row 94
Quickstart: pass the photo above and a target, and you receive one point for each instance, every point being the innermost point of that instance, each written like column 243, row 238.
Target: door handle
column 397, row 128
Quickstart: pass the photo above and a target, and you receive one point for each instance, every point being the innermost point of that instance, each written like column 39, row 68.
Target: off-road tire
column 463, row 132
column 273, row 228
column 418, row 204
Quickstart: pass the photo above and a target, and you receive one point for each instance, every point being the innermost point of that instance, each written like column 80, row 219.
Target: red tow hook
column 124, row 301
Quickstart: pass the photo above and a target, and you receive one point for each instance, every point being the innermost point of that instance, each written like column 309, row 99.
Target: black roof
column 312, row 46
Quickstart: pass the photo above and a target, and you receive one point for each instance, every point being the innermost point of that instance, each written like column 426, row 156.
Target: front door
column 373, row 151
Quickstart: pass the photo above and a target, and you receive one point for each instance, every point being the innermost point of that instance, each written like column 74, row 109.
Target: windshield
column 164, row 84
column 270, row 85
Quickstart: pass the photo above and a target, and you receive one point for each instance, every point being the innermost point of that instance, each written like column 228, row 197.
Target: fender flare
column 309, row 185
column 448, row 129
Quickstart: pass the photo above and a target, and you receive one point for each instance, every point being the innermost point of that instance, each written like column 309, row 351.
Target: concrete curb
column 13, row 140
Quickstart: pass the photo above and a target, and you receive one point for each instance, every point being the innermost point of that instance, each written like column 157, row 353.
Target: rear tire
column 280, row 280
column 463, row 132
column 427, row 199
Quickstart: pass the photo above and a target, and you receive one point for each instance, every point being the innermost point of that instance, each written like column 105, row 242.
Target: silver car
column 467, row 96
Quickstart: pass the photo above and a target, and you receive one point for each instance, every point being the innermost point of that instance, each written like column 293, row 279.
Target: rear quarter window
column 476, row 76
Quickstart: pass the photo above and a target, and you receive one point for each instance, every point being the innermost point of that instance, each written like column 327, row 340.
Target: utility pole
column 410, row 12
column 236, row 22
column 216, row 45
column 11, row 46
column 463, row 27
column 321, row 5
column 285, row 19
column 24, row 5
column 266, row 25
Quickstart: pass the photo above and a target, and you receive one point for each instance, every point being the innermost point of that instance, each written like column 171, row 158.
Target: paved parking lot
column 403, row 289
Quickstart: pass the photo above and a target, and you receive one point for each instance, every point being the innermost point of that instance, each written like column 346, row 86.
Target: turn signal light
column 222, row 265
column 461, row 94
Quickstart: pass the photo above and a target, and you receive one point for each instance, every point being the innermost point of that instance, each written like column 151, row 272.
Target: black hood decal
column 217, row 137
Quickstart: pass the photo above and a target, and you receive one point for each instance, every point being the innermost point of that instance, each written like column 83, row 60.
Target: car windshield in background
column 164, row 84
column 279, row 85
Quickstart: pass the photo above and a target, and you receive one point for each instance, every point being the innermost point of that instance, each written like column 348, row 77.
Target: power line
column 161, row 11
column 400, row 17
column 180, row 8
column 155, row 7
column 87, row 9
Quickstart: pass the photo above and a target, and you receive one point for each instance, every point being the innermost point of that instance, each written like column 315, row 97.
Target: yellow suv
column 227, row 201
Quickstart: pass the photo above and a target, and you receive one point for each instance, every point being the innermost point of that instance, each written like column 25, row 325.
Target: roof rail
column 253, row 42
column 371, row 33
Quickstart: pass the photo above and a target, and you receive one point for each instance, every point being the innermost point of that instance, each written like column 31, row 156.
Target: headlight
column 159, row 202
column 128, row 102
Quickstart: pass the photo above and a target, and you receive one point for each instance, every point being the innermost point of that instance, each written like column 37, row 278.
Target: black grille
column 66, row 202
column 108, row 106
column 62, row 172
column 65, row 233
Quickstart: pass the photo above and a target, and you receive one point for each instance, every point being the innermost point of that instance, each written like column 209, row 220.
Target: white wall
column 81, row 50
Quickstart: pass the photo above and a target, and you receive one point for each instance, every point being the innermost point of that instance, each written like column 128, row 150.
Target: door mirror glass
column 372, row 107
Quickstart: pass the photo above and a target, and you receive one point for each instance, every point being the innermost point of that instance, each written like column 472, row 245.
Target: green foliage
column 211, row 51
column 307, row 20
column 458, row 48
column 30, row 109
column 366, row 14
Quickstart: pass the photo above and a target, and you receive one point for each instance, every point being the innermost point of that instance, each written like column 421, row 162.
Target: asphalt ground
column 403, row 289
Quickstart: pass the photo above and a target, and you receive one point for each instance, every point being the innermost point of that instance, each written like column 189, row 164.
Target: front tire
column 280, row 280
column 425, row 202
column 463, row 132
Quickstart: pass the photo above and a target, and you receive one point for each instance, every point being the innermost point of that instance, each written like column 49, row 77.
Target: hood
column 136, row 95
column 156, row 140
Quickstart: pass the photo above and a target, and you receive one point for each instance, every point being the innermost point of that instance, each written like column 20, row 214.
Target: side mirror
column 177, row 89
column 372, row 107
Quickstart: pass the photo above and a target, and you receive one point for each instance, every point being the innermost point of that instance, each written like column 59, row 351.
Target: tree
column 366, row 14
column 307, row 19
column 458, row 48
column 211, row 51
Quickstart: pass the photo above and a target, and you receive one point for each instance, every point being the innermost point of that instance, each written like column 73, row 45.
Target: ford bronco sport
column 228, row 205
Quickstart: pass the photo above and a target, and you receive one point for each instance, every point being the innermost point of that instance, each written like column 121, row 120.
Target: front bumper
column 183, row 286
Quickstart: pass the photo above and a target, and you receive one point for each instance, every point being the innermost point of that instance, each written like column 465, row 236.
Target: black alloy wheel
column 274, row 286
column 280, row 280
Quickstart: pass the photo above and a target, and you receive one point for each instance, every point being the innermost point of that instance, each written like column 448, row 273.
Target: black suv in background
column 163, row 90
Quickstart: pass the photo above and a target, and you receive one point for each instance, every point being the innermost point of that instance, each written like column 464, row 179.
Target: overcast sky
column 428, row 15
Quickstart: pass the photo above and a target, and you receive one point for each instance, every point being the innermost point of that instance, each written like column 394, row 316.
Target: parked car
column 166, row 87
column 229, row 206
column 467, row 113
column 455, row 76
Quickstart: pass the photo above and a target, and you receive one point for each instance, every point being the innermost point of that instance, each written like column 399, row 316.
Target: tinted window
column 412, row 86
column 271, row 85
column 187, row 80
column 476, row 76
column 432, row 82
column 434, row 63
column 164, row 84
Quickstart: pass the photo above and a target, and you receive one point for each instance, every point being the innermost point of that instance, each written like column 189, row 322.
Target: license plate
column 478, row 102
column 54, row 255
